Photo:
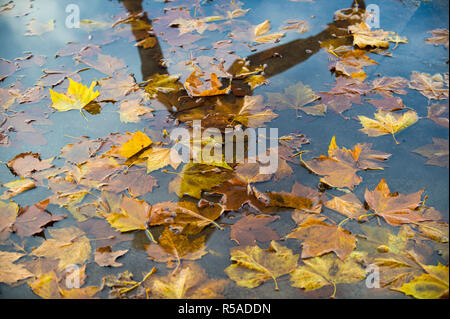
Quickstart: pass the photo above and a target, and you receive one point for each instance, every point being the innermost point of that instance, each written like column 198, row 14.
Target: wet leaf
column 196, row 86
column 131, row 111
column 429, row 86
column 31, row 220
column 251, row 228
column 395, row 208
column 68, row 245
column 124, row 213
column 10, row 273
column 348, row 205
column 191, row 282
column 25, row 164
column 17, row 187
column 437, row 153
column 438, row 37
column 137, row 182
column 301, row 197
column 387, row 123
column 432, row 285
column 439, row 113
column 296, row 96
column 105, row 63
column 185, row 216
column 76, row 98
column 253, row 114
column 327, row 270
column 196, row 178
column 8, row 215
column 341, row 165
column 173, row 247
column 105, row 257
column 320, row 238
column 137, row 142
column 163, row 83
column 252, row 265
column 159, row 157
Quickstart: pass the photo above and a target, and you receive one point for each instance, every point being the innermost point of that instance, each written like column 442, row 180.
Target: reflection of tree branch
column 277, row 59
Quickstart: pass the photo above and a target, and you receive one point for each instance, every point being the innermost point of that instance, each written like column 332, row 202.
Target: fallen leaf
column 17, row 187
column 429, row 86
column 387, row 123
column 348, row 205
column 437, row 153
column 31, row 220
column 320, row 238
column 252, row 228
column 68, row 245
column 438, row 37
column 252, row 265
column 173, row 247
column 105, row 257
column 137, row 182
column 431, row 285
column 326, row 270
column 207, row 87
column 25, row 164
column 10, row 273
column 76, row 98
column 396, row 209
column 191, row 282
column 124, row 213
column 439, row 114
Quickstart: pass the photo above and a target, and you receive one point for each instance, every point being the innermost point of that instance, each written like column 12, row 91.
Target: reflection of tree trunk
column 278, row 59
column 151, row 57
column 283, row 57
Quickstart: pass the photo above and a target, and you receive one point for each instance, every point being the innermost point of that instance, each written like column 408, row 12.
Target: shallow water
column 406, row 171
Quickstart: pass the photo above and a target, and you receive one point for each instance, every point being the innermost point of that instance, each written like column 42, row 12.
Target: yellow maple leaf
column 76, row 98
column 431, row 285
column 135, row 144
column 387, row 123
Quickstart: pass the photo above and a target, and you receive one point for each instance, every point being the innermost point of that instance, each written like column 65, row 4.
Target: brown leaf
column 31, row 220
column 320, row 238
column 137, row 182
column 251, row 228
column 173, row 247
column 395, row 208
column 105, row 257
column 25, row 164
column 301, row 197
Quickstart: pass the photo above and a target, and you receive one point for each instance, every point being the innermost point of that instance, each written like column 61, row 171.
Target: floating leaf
column 105, row 257
column 191, row 282
column 252, row 265
column 429, row 86
column 197, row 87
column 76, row 98
column 10, row 272
column 320, row 238
column 387, row 123
column 174, row 247
column 251, row 228
column 328, row 270
column 396, row 209
column 68, row 245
